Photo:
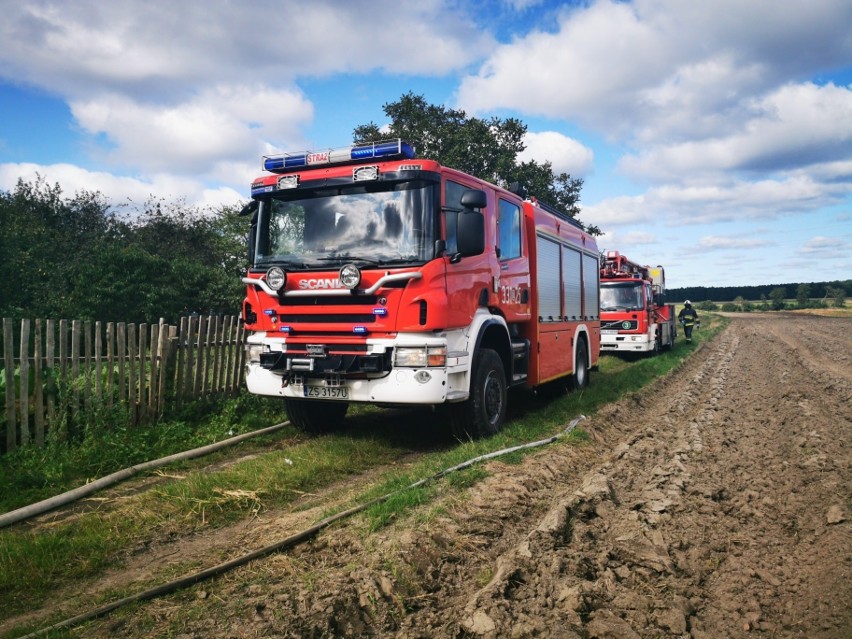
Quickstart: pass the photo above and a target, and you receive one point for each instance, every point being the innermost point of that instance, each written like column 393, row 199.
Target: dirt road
column 715, row 504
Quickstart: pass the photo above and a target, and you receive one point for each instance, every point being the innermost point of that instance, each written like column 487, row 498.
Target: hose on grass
column 28, row 512
column 288, row 542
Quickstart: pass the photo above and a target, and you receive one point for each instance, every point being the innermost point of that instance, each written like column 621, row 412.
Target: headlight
column 253, row 352
column 350, row 276
column 420, row 357
column 276, row 278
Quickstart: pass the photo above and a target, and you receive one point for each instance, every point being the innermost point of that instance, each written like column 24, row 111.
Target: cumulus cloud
column 167, row 87
column 795, row 126
column 716, row 201
column 660, row 65
column 565, row 154
column 119, row 189
column 219, row 124
column 135, row 48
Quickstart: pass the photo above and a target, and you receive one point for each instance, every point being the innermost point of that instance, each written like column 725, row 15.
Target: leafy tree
column 77, row 258
column 837, row 295
column 487, row 149
column 803, row 295
column 777, row 297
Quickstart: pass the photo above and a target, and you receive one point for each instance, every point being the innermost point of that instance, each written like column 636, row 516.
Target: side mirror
column 471, row 234
column 252, row 241
column 249, row 208
column 474, row 199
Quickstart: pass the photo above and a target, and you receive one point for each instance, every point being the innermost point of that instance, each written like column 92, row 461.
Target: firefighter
column 688, row 318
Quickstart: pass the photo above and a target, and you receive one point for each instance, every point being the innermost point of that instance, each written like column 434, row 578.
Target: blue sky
column 714, row 138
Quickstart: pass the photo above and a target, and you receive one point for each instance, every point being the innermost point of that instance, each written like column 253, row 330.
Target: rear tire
column 315, row 417
column 484, row 412
column 580, row 377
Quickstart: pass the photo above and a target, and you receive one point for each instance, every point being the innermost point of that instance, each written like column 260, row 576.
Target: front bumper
column 626, row 343
column 369, row 373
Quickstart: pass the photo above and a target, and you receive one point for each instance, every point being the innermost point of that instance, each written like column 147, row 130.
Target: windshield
column 625, row 296
column 380, row 223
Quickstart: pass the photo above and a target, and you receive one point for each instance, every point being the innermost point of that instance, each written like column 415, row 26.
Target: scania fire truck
column 376, row 276
column 634, row 315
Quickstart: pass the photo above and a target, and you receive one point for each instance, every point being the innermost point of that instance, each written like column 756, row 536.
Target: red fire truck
column 379, row 277
column 634, row 317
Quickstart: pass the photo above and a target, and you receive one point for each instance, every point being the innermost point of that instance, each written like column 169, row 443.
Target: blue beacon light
column 343, row 155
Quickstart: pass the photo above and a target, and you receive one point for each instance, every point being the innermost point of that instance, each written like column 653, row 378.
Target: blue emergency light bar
column 385, row 150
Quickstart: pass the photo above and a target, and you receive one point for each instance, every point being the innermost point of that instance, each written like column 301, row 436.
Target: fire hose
column 288, row 542
column 28, row 512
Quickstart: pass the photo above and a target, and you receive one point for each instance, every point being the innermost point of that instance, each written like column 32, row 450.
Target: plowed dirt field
column 714, row 504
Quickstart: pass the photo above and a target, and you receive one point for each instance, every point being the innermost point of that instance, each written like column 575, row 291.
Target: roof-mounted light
column 385, row 150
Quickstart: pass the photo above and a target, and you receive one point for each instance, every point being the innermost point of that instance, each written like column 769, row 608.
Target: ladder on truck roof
column 614, row 264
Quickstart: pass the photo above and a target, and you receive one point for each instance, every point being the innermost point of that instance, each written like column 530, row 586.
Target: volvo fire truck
column 634, row 315
column 376, row 276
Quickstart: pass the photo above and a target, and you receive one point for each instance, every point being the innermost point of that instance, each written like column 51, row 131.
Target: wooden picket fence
column 59, row 374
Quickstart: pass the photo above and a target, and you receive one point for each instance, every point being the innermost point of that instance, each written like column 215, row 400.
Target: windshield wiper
column 282, row 262
column 347, row 258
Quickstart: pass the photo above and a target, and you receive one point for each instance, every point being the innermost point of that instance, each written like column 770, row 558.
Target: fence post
column 24, row 410
column 121, row 343
column 143, row 376
column 38, row 377
column 62, row 395
column 87, row 370
column 50, row 373
column 9, row 370
column 75, row 369
column 99, row 365
column 131, row 373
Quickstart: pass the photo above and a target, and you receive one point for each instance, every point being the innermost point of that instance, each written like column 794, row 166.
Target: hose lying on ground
column 27, row 512
column 288, row 542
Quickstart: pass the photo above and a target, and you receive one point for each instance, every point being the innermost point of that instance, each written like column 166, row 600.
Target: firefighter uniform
column 688, row 317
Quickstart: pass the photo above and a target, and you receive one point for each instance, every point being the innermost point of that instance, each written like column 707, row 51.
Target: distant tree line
column 774, row 297
column 81, row 257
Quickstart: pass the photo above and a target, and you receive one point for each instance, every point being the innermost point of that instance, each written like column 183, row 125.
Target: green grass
column 35, row 561
column 30, row 473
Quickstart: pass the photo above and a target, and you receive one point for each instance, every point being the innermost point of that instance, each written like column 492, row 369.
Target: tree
column 487, row 149
column 777, row 297
column 837, row 295
column 803, row 295
column 77, row 258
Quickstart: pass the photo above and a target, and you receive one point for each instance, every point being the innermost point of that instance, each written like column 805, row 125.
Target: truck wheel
column 656, row 349
column 484, row 412
column 580, row 378
column 313, row 416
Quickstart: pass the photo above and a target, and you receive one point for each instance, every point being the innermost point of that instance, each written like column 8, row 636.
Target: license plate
column 326, row 392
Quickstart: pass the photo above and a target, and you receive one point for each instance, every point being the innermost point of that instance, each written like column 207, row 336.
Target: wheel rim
column 492, row 398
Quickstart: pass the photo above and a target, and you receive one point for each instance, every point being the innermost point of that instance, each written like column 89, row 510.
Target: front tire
column 313, row 416
column 580, row 377
column 484, row 412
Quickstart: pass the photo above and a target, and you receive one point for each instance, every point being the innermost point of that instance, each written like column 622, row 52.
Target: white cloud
column 565, row 154
column 118, row 190
column 655, row 67
column 138, row 48
column 795, row 126
column 719, row 242
column 220, row 124
column 720, row 200
column 827, row 246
